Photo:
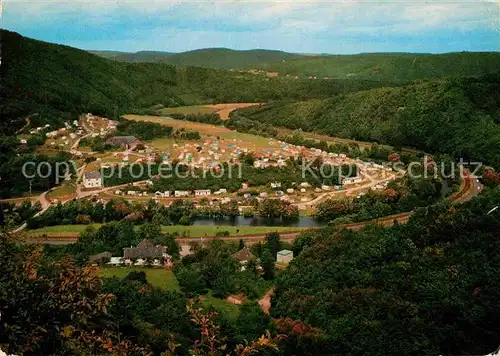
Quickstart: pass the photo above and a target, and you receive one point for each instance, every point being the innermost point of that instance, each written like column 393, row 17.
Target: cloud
column 300, row 23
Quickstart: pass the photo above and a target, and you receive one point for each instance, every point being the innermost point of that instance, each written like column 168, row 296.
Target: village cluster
column 208, row 153
column 148, row 254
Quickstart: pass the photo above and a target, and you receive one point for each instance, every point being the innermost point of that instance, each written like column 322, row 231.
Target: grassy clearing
column 198, row 231
column 62, row 191
column 167, row 144
column 177, row 124
column 230, row 311
column 158, row 277
column 188, row 110
column 206, row 131
column 192, row 231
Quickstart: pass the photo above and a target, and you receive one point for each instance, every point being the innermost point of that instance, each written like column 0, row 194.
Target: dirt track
column 225, row 109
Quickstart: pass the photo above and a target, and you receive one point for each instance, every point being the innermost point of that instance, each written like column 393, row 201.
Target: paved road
column 42, row 198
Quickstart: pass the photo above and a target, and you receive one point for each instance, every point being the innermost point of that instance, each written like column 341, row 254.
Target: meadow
column 166, row 280
column 192, row 230
column 158, row 277
column 188, row 110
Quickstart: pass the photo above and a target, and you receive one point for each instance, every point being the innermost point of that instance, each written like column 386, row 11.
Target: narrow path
column 265, row 301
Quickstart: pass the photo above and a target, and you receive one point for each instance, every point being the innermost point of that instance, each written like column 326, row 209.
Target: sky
column 337, row 27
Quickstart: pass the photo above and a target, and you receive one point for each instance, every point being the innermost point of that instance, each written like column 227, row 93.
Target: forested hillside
column 430, row 287
column 39, row 76
column 390, row 66
column 136, row 57
column 224, row 58
column 458, row 117
column 397, row 67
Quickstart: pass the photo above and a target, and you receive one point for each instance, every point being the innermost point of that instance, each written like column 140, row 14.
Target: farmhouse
column 243, row 256
column 124, row 142
column 284, row 256
column 144, row 250
column 92, row 180
column 202, row 192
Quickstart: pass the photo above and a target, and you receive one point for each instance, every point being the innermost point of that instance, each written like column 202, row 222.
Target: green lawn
column 194, row 109
column 193, row 231
column 166, row 280
column 62, row 190
column 230, row 311
column 197, row 231
column 158, row 277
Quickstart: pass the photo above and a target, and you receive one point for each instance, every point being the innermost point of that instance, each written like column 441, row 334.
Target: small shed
column 284, row 256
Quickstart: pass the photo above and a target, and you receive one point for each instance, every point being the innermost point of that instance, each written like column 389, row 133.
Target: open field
column 177, row 124
column 197, row 231
column 225, row 109
column 192, row 231
column 158, row 277
column 206, row 131
column 222, row 109
column 189, row 110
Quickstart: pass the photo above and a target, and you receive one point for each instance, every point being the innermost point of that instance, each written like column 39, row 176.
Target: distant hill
column 108, row 54
column 390, row 66
column 38, row 75
column 220, row 58
column 224, row 58
column 396, row 67
column 137, row 57
column 460, row 117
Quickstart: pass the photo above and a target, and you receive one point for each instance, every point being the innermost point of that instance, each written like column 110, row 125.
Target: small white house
column 284, row 256
column 116, row 261
column 202, row 192
column 275, row 185
column 352, row 180
column 290, row 190
column 181, row 193
column 23, row 141
column 164, row 194
column 92, row 180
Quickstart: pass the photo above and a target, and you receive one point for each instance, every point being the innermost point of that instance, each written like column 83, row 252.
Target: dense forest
column 54, row 79
column 395, row 67
column 389, row 66
column 429, row 287
column 460, row 117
